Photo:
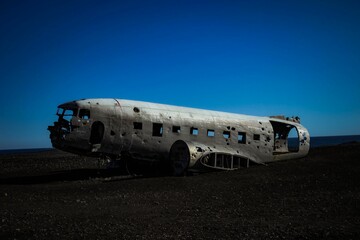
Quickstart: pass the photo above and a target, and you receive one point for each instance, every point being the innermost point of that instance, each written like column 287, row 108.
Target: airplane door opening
column 97, row 133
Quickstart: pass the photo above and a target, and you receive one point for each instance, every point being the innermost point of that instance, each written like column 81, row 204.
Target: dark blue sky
column 251, row 57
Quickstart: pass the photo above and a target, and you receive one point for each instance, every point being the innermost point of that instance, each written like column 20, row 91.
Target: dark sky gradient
column 251, row 57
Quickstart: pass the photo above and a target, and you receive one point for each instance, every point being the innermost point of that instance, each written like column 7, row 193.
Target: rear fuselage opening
column 291, row 139
column 286, row 138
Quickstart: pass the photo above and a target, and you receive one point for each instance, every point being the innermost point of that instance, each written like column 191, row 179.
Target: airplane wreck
column 184, row 138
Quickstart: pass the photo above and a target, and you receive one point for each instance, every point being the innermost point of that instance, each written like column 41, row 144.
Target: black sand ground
column 60, row 196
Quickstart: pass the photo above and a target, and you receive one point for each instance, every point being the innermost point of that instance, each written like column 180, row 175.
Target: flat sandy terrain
column 55, row 195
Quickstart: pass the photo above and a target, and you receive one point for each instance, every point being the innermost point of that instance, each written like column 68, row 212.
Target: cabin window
column 84, row 114
column 157, row 129
column 138, row 125
column 241, row 137
column 256, row 136
column 226, row 134
column 210, row 133
column 176, row 129
column 194, row 131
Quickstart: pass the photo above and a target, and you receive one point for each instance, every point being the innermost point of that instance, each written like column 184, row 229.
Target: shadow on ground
column 68, row 175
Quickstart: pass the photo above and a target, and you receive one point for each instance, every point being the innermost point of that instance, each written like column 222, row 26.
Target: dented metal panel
column 146, row 131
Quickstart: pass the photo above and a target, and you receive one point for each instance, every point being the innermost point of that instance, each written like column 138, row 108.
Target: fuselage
column 149, row 131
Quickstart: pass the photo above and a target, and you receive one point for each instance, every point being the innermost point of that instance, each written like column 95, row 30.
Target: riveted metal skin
column 157, row 132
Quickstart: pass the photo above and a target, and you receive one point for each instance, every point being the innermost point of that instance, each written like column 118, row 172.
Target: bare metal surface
column 116, row 128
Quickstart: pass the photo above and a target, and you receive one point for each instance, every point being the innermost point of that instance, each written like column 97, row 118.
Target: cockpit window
column 59, row 111
column 66, row 114
column 69, row 112
column 84, row 114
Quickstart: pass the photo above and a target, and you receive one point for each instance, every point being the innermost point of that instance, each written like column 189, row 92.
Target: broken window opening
column 84, row 114
column 59, row 111
column 257, row 137
column 194, row 131
column 138, row 125
column 157, row 129
column 226, row 134
column 65, row 118
column 176, row 129
column 67, row 114
column 242, row 137
column 210, row 133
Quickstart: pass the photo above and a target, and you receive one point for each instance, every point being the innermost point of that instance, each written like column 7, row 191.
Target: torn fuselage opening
column 286, row 137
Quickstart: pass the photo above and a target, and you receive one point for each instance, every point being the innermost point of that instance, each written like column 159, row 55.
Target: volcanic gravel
column 56, row 195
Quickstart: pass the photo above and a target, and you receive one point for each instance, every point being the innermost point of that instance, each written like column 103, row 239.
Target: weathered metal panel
column 117, row 122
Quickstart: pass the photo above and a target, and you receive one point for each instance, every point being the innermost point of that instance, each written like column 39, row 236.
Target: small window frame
column 157, row 130
column 84, row 113
column 138, row 125
column 226, row 134
column 256, row 137
column 211, row 133
column 242, row 137
column 176, row 129
column 194, row 131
